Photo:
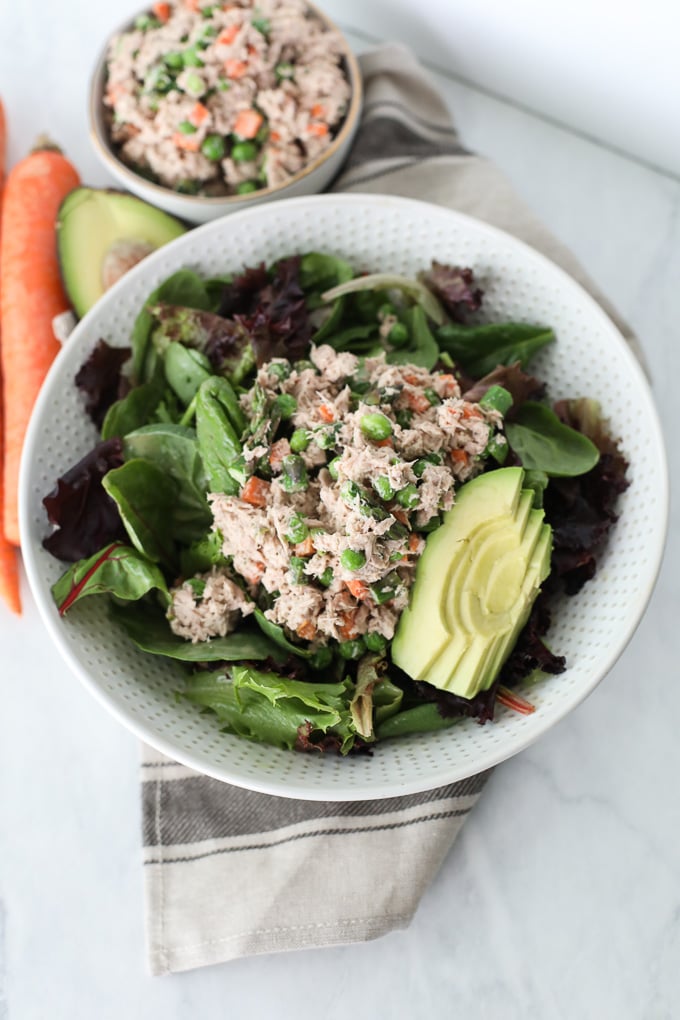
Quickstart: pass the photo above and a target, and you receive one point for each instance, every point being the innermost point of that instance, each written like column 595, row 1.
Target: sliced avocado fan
column 475, row 585
column 100, row 235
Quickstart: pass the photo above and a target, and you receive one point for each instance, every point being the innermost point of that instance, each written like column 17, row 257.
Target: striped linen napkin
column 231, row 873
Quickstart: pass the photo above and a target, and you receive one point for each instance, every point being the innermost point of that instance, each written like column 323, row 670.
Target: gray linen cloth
column 230, row 873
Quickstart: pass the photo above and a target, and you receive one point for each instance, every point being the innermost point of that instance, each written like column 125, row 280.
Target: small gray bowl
column 312, row 179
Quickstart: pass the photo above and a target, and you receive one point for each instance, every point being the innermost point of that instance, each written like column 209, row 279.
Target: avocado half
column 475, row 585
column 103, row 233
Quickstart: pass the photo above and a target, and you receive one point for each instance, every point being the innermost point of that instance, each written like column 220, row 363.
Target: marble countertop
column 561, row 898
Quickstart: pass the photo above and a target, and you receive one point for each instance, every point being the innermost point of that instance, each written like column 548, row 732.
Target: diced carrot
column 306, row 631
column 414, row 542
column 256, row 574
column 513, row 701
column 192, row 5
column 318, row 128
column 189, row 143
column 348, row 628
column 228, row 34
column 418, row 402
column 235, row 68
column 252, row 50
column 255, row 491
column 450, row 384
column 359, row 589
column 459, row 456
column 470, row 411
column 248, row 123
column 412, row 379
column 326, row 413
column 274, row 136
column 198, row 114
column 279, row 450
column 388, row 441
column 400, row 515
column 162, row 11
column 318, row 110
column 305, row 548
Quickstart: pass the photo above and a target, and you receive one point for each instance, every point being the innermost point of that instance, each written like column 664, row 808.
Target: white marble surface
column 561, row 898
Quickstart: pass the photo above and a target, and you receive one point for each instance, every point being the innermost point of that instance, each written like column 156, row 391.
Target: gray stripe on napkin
column 196, row 808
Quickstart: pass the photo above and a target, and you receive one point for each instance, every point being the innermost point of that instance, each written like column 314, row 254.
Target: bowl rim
column 104, row 149
column 338, row 791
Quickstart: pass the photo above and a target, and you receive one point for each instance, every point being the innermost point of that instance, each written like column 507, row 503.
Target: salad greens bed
column 133, row 519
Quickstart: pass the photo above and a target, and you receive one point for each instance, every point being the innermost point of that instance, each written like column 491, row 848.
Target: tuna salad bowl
column 328, row 521
column 204, row 108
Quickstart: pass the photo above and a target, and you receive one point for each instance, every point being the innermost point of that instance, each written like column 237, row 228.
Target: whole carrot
column 9, row 572
column 31, row 294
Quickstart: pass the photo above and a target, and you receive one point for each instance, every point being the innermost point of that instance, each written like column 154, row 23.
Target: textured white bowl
column 312, row 179
column 373, row 232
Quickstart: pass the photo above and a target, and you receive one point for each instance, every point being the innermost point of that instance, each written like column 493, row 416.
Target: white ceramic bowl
column 312, row 179
column 373, row 232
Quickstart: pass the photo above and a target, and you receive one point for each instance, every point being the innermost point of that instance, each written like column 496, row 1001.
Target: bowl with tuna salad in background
column 204, row 108
column 313, row 387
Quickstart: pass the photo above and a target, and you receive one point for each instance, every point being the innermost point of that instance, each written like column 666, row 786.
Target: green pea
column 386, row 309
column 214, row 148
column 408, row 496
column 375, row 642
column 426, row 461
column 246, row 187
column 353, row 649
column 190, row 57
column 326, row 437
column 386, row 588
column 174, row 60
column 297, row 530
column 404, row 418
column 299, row 441
column 223, row 84
column 297, row 569
column 145, row 21
column 433, row 397
column 186, row 127
column 353, row 559
column 262, row 25
column 279, row 369
column 194, row 85
column 284, row 71
column 243, row 152
column 293, row 473
column 326, row 577
column 303, row 365
column 333, row 468
column 375, row 426
column 322, row 658
column 286, row 405
column 398, row 335
column 383, row 487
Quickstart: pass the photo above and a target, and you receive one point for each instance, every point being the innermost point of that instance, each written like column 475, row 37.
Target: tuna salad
column 339, row 498
column 222, row 99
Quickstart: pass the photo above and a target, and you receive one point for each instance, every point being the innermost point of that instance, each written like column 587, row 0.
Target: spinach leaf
column 543, row 443
column 277, row 635
column 148, row 627
column 292, row 714
column 201, row 555
column 218, row 441
column 135, row 409
column 422, row 348
column 354, row 337
column 319, row 272
column 175, row 450
column 145, row 498
column 479, row 349
column 182, row 288
column 115, row 570
column 421, row 719
column 185, row 370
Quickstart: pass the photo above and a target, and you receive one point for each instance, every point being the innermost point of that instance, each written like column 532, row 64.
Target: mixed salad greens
column 234, row 399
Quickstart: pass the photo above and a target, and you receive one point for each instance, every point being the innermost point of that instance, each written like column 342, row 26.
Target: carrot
column 227, row 35
column 470, row 411
column 248, row 123
column 414, row 542
column 9, row 567
column 348, row 629
column 305, row 548
column 192, row 5
column 31, row 295
column 418, row 402
column 450, row 384
column 255, row 492
column 459, row 456
column 317, row 128
column 162, row 11
column 198, row 114
column 326, row 413
column 359, row 589
column 388, row 441
column 189, row 143
column 306, row 630
column 235, row 68
column 318, row 110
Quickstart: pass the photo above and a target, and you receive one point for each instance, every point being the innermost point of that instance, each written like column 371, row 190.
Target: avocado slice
column 103, row 233
column 475, row 585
